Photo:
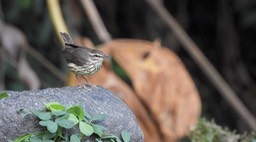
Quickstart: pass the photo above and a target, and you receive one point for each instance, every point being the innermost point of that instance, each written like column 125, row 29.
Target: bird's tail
column 67, row 39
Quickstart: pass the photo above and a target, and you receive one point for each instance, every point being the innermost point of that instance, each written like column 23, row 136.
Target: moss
column 209, row 131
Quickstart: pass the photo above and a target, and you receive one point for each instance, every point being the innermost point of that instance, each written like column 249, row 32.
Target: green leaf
column 66, row 116
column 73, row 118
column 3, row 95
column 99, row 117
column 24, row 112
column 42, row 115
column 125, row 136
column 98, row 129
column 23, row 138
column 86, row 120
column 54, row 106
column 45, row 122
column 65, row 123
column 117, row 140
column 58, row 113
column 45, row 115
column 87, row 115
column 85, row 128
column 74, row 138
column 110, row 137
column 48, row 141
column 47, row 135
column 36, row 139
column 52, row 127
column 77, row 111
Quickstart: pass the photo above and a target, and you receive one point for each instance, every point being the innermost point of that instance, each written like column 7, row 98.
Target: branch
column 47, row 64
column 96, row 21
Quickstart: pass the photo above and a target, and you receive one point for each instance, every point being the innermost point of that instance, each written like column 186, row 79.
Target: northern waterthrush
column 82, row 60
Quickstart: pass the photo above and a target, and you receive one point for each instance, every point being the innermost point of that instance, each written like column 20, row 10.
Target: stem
column 57, row 18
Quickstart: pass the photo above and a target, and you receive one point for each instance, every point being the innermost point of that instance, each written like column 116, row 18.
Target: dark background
column 225, row 30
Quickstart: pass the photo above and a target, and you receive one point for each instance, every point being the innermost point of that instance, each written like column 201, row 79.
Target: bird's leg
column 86, row 80
column 79, row 81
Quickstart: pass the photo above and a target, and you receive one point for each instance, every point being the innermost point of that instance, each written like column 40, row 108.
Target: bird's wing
column 78, row 56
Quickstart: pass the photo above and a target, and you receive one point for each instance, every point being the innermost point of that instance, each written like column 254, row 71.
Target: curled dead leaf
column 161, row 81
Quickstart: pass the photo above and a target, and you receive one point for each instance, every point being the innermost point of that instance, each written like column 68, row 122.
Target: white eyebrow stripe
column 93, row 54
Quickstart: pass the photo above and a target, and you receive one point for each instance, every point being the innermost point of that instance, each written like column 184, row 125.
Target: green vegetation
column 60, row 122
column 206, row 131
column 3, row 95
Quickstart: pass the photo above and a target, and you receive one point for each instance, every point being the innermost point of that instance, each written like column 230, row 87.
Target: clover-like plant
column 58, row 120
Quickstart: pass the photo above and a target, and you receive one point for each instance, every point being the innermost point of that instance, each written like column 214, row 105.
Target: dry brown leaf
column 163, row 84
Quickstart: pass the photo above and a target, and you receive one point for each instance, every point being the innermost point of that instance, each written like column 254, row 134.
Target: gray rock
column 94, row 99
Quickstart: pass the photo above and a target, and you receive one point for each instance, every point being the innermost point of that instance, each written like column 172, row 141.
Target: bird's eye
column 97, row 55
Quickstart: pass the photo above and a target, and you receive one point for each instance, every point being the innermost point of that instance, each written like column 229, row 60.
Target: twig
column 41, row 59
column 96, row 21
column 57, row 18
column 204, row 64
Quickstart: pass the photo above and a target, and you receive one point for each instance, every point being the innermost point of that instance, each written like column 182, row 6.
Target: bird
column 82, row 61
